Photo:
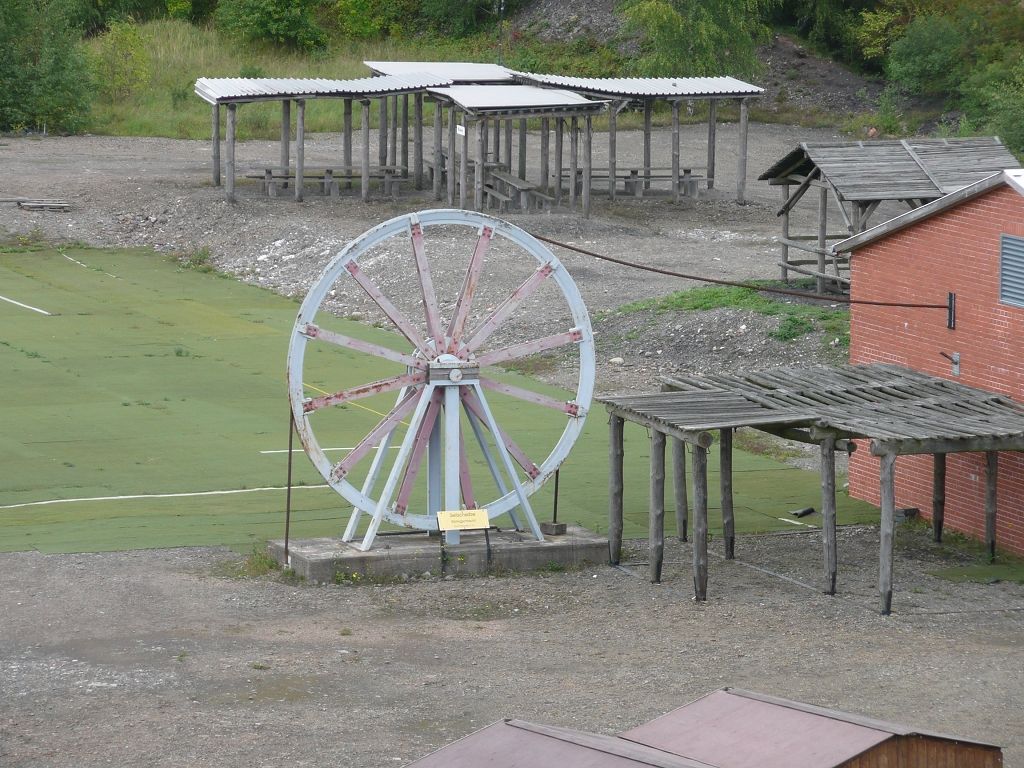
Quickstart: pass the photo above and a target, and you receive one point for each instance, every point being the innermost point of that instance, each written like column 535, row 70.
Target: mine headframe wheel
column 444, row 378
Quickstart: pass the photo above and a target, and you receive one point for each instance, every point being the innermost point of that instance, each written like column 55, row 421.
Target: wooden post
column 656, row 554
column 497, row 140
column 741, row 172
column 559, row 141
column 725, row 486
column 828, row 511
column 300, row 147
column 785, row 233
column 522, row 148
column 365, row 129
column 700, row 522
column 613, row 113
column 346, row 140
column 648, row 114
column 417, row 140
column 822, row 232
column 679, row 487
column 229, row 161
column 506, row 150
column 615, row 453
column 451, row 154
column 286, row 136
column 587, row 157
column 404, row 139
column 675, row 151
column 215, row 116
column 382, row 131
column 438, row 153
column 991, row 481
column 712, row 125
column 574, row 161
column 887, row 481
column 545, row 142
column 393, row 132
column 938, row 495
column 481, row 156
column 464, row 168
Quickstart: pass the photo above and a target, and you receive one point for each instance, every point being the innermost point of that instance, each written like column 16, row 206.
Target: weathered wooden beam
column 382, row 131
column 991, row 482
column 741, row 172
column 215, row 140
column 798, row 193
column 793, row 267
column 229, row 161
column 452, row 117
column 464, row 167
column 725, row 487
column 521, row 154
column 364, row 117
column 648, row 113
column 700, row 523
column 559, row 141
column 679, row 488
column 675, row 152
column 545, row 151
column 938, row 495
column 300, row 147
column 404, row 137
column 616, row 451
column 417, row 141
column 712, row 124
column 783, row 247
column 393, row 132
column 588, row 144
column 612, row 138
column 346, row 137
column 828, row 511
column 701, row 438
column 478, row 172
column 438, row 153
column 286, row 136
column 887, row 483
column 656, row 537
column 981, row 444
column 574, row 161
column 822, row 241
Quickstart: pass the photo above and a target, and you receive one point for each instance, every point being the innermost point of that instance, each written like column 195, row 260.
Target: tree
column 286, row 22
column 698, row 37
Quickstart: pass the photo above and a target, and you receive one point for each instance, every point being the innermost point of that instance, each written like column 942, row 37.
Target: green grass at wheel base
column 154, row 379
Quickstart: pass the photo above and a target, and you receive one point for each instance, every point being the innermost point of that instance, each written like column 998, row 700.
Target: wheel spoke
column 366, row 390
column 430, row 307
column 316, row 332
column 384, row 428
column 394, row 313
column 465, row 481
column 508, row 306
column 419, row 447
column 458, row 324
column 519, row 393
column 475, row 407
column 527, row 348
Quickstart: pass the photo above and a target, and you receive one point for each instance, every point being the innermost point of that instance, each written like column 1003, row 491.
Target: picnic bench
column 273, row 176
column 514, row 187
column 633, row 179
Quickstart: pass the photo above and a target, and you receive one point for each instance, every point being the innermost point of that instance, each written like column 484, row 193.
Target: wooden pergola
column 645, row 92
column 899, row 411
column 860, row 175
column 232, row 92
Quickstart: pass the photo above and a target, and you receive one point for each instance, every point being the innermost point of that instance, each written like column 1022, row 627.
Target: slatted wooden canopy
column 899, row 411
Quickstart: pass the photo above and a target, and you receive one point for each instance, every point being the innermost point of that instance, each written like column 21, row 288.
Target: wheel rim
column 448, row 356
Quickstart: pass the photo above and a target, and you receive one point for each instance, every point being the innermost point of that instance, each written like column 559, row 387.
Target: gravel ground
column 158, row 658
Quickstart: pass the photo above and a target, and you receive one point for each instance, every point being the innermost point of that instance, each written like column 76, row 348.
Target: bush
column 929, row 59
column 285, row 22
column 370, row 19
column 121, row 61
column 44, row 81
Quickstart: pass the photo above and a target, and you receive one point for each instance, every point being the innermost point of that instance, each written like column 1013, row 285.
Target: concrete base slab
column 413, row 554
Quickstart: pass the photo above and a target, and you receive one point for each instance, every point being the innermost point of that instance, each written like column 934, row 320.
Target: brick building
column 970, row 243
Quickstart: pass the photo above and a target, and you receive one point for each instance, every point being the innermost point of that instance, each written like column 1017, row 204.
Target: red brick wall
column 957, row 250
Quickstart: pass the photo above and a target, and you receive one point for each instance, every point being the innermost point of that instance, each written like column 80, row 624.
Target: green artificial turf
column 154, row 379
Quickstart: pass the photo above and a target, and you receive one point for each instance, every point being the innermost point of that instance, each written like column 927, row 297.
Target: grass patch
column 983, row 573
column 796, row 320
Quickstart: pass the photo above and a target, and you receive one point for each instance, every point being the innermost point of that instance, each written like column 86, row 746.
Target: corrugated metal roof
column 647, row 87
column 897, row 170
column 465, row 72
column 506, row 98
column 1013, row 178
column 241, row 89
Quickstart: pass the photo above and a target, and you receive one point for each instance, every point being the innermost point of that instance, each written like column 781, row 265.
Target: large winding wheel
column 444, row 374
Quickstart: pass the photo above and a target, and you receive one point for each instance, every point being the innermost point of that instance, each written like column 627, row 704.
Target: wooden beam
column 656, row 554
column 700, row 523
column 701, row 438
column 679, row 487
column 545, row 149
column 712, row 122
column 404, row 138
column 799, row 192
column 613, row 114
column 417, row 141
column 478, row 173
column 506, row 150
column 452, row 116
column 364, row 118
column 521, row 156
column 648, row 113
column 559, row 141
column 588, row 144
column 382, row 131
column 725, row 486
column 828, row 511
column 464, row 167
column 615, row 461
column 792, row 267
column 574, row 161
column 938, row 495
column 286, row 137
column 229, row 161
column 393, row 132
column 822, row 233
column 783, row 247
column 300, row 147
column 438, row 152
column 887, row 483
column 215, row 139
column 346, row 137
column 991, row 482
column 675, row 151
column 741, row 172
column 981, row 444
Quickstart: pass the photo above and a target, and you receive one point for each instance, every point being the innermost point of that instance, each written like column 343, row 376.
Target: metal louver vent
column 1011, row 270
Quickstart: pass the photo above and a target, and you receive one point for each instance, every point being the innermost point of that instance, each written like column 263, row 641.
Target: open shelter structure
column 900, row 412
column 858, row 176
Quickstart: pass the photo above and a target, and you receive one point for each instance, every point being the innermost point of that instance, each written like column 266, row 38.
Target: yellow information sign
column 463, row 520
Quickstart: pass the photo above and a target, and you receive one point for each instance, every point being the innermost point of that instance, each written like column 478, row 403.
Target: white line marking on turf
column 157, row 495
column 85, row 266
column 795, row 522
column 27, row 306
